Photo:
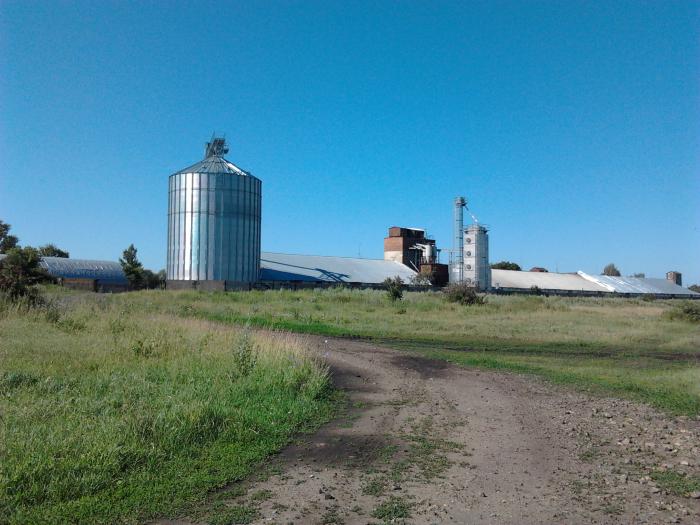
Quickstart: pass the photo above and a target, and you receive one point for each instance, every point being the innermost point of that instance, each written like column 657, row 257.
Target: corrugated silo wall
column 214, row 227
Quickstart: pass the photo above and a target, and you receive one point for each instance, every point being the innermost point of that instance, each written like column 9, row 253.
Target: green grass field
column 627, row 347
column 109, row 413
column 126, row 407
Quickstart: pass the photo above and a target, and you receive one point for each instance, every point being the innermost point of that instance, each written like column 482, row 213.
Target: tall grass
column 533, row 323
column 109, row 413
column 631, row 347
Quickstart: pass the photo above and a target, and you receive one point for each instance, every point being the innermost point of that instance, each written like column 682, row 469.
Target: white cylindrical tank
column 477, row 271
column 214, row 212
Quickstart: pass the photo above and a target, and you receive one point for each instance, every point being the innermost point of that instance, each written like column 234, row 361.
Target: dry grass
column 629, row 347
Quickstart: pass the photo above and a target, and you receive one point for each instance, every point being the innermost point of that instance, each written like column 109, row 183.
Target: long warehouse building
column 280, row 270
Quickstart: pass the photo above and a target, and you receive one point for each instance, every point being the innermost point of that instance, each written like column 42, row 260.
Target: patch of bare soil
column 428, row 442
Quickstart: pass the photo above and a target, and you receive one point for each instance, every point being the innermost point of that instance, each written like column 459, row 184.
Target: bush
column 394, row 288
column 686, row 311
column 420, row 279
column 535, row 290
column 464, row 294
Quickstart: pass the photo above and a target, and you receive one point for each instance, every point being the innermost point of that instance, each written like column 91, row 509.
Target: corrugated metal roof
column 543, row 280
column 105, row 271
column 214, row 164
column 289, row 267
column 581, row 281
column 637, row 285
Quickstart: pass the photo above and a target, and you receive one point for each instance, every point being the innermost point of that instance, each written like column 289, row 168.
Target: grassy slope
column 110, row 414
column 628, row 347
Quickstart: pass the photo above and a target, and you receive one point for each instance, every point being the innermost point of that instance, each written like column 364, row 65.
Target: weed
column 143, row 347
column 332, row 516
column 234, row 491
column 589, row 454
column 375, row 487
column 10, row 381
column 678, row 483
column 399, row 469
column 262, row 495
column 236, row 515
column 613, row 509
column 52, row 314
column 387, row 452
column 426, row 456
column 244, row 357
column 393, row 509
column 71, row 325
column 117, row 325
column 578, row 487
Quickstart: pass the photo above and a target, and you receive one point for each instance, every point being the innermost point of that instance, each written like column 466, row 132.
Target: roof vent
column 216, row 148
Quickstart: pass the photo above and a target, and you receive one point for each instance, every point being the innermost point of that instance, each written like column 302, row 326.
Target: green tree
column 51, row 250
column 152, row 280
column 133, row 269
column 694, row 288
column 611, row 269
column 20, row 273
column 7, row 241
column 506, row 265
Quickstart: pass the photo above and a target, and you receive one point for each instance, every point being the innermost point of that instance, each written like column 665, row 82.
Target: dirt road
column 429, row 442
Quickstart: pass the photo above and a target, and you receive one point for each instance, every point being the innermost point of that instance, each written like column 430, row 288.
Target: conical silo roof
column 214, row 161
column 214, row 164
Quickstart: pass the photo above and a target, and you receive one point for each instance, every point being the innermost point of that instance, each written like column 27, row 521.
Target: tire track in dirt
column 425, row 441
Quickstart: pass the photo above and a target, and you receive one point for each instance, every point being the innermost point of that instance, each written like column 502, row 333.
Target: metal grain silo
column 213, row 223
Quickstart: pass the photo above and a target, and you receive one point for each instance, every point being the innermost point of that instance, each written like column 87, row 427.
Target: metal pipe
column 458, row 241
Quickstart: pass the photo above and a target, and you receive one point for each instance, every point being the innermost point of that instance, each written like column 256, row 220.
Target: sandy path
column 436, row 443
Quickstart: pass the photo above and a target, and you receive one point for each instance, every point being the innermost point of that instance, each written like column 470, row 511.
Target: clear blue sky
column 573, row 128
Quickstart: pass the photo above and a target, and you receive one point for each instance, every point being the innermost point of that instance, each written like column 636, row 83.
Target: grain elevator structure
column 469, row 260
column 214, row 212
